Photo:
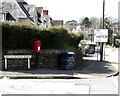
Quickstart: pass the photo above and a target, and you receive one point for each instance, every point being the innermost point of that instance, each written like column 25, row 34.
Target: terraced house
column 21, row 11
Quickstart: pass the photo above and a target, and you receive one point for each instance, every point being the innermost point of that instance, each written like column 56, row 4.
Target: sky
column 75, row 9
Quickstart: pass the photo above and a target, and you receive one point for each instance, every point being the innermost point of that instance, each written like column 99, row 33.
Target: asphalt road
column 59, row 86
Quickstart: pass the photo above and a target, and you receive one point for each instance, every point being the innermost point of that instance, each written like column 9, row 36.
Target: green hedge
column 20, row 36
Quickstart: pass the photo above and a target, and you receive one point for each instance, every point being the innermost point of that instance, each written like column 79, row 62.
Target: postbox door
column 37, row 46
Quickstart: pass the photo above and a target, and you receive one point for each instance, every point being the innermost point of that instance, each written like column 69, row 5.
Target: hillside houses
column 20, row 11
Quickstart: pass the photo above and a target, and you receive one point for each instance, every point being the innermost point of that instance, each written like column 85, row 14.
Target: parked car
column 87, row 47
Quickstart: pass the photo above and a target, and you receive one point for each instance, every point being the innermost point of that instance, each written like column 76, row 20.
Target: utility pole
column 113, row 38
column 101, row 54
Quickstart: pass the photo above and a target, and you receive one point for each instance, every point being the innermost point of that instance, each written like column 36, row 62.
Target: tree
column 95, row 22
column 110, row 24
column 86, row 22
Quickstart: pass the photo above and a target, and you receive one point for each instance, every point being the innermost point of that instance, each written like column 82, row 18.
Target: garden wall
column 46, row 59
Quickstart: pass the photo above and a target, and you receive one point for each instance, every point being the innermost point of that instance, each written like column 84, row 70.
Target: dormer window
column 3, row 16
column 6, row 16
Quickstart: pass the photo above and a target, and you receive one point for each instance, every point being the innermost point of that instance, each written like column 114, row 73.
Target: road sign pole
column 97, row 50
column 101, row 53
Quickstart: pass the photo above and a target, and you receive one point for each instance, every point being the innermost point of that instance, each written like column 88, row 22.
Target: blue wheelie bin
column 67, row 60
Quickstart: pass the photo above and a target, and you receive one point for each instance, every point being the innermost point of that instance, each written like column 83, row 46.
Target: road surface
column 62, row 86
column 59, row 86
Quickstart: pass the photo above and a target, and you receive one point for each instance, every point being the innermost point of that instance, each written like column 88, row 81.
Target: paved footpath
column 90, row 68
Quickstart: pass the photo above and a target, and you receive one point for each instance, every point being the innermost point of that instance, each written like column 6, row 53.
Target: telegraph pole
column 101, row 53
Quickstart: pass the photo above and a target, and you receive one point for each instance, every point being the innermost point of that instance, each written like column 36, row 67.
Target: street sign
column 101, row 35
column 17, row 56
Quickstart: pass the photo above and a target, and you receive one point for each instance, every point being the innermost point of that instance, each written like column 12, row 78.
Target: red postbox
column 37, row 46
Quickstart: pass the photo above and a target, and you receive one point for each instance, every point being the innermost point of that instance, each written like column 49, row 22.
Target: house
column 71, row 24
column 57, row 22
column 20, row 11
column 47, row 18
column 41, row 18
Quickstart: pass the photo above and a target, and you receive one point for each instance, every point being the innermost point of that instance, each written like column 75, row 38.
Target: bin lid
column 69, row 53
column 87, row 42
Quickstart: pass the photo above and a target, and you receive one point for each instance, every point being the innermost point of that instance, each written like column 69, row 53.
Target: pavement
column 89, row 69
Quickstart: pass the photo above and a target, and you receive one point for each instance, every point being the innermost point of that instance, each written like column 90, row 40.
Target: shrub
column 20, row 36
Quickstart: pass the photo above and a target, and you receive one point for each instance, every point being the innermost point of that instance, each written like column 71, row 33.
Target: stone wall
column 44, row 59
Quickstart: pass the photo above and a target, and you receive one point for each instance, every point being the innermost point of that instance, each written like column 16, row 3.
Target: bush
column 20, row 36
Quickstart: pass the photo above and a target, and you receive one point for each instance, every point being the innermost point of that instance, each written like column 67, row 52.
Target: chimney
column 45, row 12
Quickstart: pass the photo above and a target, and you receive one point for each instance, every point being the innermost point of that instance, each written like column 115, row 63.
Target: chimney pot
column 45, row 12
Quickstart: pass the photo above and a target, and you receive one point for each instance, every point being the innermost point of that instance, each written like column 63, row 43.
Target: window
column 1, row 15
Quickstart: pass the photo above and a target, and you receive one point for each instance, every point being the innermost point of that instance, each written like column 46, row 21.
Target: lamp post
column 101, row 53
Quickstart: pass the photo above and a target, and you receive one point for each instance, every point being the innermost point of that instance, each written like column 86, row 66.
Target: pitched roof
column 12, row 7
column 30, row 9
column 15, row 8
column 21, row 4
column 39, row 9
